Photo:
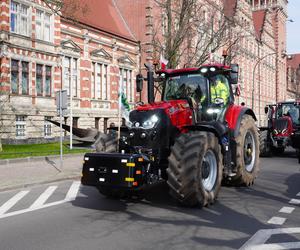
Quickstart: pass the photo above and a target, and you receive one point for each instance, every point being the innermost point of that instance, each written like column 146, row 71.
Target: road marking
column 277, row 246
column 261, row 236
column 72, row 193
column 287, row 210
column 44, row 197
column 70, row 196
column 11, row 202
column 277, row 220
column 295, row 201
column 298, row 194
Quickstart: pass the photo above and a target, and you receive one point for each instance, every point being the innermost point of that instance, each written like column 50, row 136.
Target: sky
column 293, row 28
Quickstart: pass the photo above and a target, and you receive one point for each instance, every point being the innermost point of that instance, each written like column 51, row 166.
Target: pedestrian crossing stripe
column 40, row 202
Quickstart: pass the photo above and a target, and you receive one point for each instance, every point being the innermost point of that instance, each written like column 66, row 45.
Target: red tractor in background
column 283, row 128
column 189, row 139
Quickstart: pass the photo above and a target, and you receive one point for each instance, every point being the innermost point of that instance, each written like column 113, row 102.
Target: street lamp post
column 253, row 76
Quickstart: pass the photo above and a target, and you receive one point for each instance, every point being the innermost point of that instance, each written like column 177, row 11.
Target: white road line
column 277, row 220
column 32, row 209
column 277, row 246
column 72, row 193
column 295, row 201
column 11, row 202
column 286, row 210
column 43, row 197
column 261, row 236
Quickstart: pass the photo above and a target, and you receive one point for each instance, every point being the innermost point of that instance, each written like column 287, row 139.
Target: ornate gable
column 101, row 53
column 70, row 45
column 126, row 60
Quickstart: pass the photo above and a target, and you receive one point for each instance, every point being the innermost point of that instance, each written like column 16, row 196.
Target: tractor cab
column 199, row 86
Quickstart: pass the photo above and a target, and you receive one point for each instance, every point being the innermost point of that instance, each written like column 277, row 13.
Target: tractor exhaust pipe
column 150, row 82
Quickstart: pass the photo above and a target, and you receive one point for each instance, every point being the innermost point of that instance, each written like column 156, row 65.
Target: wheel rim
column 209, row 170
column 249, row 151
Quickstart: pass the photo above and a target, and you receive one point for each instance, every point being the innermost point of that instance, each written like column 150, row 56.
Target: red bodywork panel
column 232, row 115
column 178, row 111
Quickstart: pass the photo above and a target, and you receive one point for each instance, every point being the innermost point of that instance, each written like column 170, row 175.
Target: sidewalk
column 19, row 173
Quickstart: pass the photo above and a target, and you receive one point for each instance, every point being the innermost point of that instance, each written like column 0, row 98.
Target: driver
column 219, row 89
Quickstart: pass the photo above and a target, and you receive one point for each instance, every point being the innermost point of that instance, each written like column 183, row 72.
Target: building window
column 15, row 76
column 39, row 79
column 126, row 81
column 20, row 126
column 99, row 81
column 43, row 26
column 47, row 126
column 70, row 75
column 19, row 18
column 75, row 122
column 97, row 119
column 25, row 78
column 48, row 81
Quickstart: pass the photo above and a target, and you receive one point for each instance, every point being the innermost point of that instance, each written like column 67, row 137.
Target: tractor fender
column 234, row 115
column 215, row 127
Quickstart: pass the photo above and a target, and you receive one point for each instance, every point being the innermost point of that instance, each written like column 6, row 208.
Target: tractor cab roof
column 203, row 69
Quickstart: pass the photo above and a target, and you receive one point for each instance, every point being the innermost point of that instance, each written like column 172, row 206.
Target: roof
column 293, row 61
column 191, row 70
column 229, row 8
column 258, row 22
column 103, row 15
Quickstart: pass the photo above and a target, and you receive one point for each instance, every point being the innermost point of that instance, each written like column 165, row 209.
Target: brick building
column 293, row 76
column 42, row 53
column 263, row 43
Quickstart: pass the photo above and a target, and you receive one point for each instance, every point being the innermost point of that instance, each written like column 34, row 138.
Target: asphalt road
column 55, row 216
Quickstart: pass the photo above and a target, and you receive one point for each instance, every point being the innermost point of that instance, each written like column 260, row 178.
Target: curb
column 75, row 177
column 36, row 158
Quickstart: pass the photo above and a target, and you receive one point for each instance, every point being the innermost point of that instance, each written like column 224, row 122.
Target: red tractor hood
column 180, row 104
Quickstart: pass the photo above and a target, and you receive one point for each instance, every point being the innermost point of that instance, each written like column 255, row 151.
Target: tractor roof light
column 204, row 70
column 212, row 69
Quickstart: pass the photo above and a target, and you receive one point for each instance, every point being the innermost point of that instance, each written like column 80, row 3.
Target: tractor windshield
column 289, row 109
column 187, row 85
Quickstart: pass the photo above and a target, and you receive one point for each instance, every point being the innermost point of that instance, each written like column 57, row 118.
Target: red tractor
column 190, row 139
column 283, row 128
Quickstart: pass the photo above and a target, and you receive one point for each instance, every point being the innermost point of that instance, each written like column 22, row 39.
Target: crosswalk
column 7, row 207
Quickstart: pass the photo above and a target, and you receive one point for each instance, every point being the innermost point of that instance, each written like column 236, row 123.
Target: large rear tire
column 195, row 169
column 247, row 153
column 264, row 144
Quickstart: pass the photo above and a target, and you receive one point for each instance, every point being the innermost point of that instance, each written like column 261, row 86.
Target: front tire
column 247, row 153
column 195, row 169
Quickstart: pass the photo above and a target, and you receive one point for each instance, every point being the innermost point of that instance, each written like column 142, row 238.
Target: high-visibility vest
column 220, row 90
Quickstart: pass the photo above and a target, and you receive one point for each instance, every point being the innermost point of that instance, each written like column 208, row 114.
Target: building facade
column 42, row 53
column 293, row 76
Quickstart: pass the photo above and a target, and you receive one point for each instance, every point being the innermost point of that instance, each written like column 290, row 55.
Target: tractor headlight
column 150, row 123
column 275, row 132
column 284, row 131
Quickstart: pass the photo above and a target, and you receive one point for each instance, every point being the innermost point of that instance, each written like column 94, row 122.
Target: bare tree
column 188, row 31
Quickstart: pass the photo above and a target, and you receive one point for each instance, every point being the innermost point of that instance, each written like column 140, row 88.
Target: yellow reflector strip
column 130, row 164
column 141, row 159
column 129, row 179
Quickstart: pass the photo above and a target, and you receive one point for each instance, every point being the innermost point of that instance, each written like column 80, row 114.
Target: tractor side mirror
column 266, row 110
column 139, row 82
column 234, row 74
